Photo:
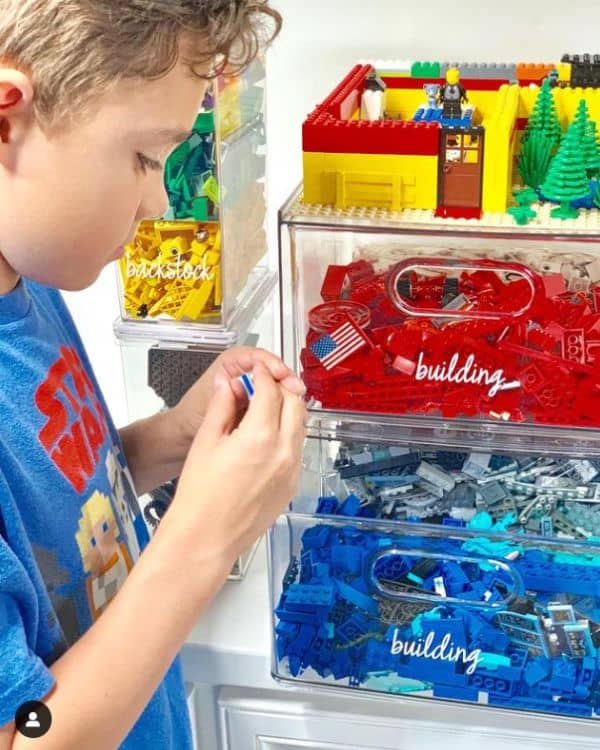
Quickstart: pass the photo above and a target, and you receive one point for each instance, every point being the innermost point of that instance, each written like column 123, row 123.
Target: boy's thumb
column 221, row 413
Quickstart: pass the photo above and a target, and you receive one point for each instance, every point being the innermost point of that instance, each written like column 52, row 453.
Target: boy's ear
column 16, row 97
column 9, row 95
column 16, row 90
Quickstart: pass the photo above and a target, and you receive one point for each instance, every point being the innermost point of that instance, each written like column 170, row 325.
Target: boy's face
column 72, row 198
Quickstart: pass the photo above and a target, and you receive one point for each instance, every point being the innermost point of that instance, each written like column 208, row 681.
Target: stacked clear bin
column 207, row 255
column 196, row 282
column 445, row 542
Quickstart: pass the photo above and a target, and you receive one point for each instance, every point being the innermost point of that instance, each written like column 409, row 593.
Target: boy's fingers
column 222, row 412
column 283, row 374
column 264, row 410
column 239, row 391
column 272, row 362
column 293, row 384
column 278, row 369
column 293, row 421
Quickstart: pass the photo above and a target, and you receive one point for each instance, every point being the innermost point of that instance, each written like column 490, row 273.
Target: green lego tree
column 592, row 150
column 540, row 140
column 544, row 117
column 582, row 117
column 586, row 127
column 535, row 158
column 567, row 179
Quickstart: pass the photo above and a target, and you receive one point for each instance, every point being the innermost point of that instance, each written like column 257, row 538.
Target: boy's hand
column 190, row 411
column 156, row 447
column 240, row 475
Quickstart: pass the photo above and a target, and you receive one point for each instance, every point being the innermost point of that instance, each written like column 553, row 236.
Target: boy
column 93, row 96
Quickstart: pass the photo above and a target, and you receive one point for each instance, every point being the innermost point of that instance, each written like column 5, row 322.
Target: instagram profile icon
column 33, row 719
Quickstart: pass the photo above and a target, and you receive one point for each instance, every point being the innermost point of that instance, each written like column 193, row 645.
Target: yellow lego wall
column 392, row 182
column 499, row 150
column 403, row 103
column 567, row 101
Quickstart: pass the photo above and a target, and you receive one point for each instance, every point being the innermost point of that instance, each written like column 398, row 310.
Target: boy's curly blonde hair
column 75, row 49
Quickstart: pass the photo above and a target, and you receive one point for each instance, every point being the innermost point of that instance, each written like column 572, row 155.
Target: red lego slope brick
column 338, row 103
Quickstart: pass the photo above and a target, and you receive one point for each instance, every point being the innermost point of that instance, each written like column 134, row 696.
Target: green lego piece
column 541, row 139
column 194, row 140
column 205, row 123
column 522, row 214
column 187, row 192
column 186, row 174
column 200, row 209
column 587, row 129
column 535, row 158
column 425, row 70
column 567, row 179
column 544, row 117
column 211, row 189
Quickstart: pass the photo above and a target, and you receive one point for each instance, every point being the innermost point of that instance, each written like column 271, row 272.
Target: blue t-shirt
column 71, row 527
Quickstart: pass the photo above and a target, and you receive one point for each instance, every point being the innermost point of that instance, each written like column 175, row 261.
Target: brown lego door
column 461, row 169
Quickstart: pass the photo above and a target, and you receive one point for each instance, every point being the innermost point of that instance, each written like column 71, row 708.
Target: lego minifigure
column 452, row 95
column 432, row 90
column 373, row 99
column 553, row 78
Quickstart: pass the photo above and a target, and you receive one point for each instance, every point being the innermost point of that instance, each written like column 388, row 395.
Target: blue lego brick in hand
column 247, row 380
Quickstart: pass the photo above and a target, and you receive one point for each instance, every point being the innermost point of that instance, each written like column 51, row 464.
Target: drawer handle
column 465, row 304
column 415, row 576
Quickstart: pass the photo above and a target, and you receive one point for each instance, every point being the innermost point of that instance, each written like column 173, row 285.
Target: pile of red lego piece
column 515, row 346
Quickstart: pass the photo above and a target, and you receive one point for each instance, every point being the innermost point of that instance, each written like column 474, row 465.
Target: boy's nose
column 155, row 203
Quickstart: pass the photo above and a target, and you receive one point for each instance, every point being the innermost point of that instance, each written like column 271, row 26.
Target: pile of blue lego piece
column 500, row 621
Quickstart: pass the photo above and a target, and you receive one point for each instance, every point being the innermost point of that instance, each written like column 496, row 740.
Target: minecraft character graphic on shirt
column 124, row 499
column 105, row 559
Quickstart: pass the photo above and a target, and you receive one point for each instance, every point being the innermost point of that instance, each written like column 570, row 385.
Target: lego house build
column 488, row 143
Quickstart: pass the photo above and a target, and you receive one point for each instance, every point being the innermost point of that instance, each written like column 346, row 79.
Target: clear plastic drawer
column 485, row 328
column 197, row 264
column 440, row 573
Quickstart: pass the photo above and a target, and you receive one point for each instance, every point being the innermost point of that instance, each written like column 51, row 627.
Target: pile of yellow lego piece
column 173, row 269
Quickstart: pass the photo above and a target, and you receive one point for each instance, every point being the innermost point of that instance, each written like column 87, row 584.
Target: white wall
column 320, row 42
